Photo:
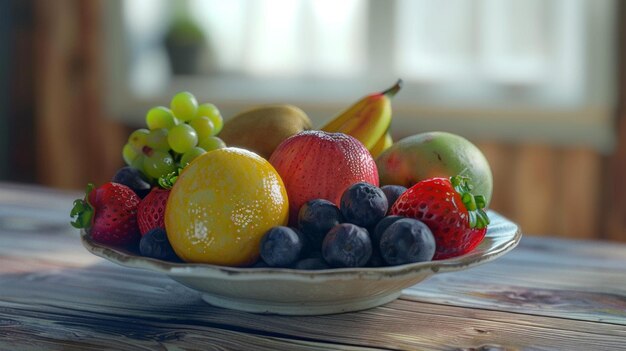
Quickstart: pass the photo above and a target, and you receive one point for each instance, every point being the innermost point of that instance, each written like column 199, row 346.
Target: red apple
column 320, row 165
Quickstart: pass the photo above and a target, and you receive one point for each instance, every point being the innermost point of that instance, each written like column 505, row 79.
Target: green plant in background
column 185, row 31
column 185, row 42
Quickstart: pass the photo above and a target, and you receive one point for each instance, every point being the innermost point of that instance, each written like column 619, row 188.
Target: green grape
column 138, row 139
column 191, row 155
column 137, row 163
column 129, row 154
column 157, row 140
column 182, row 138
column 160, row 117
column 158, row 163
column 203, row 126
column 212, row 143
column 209, row 110
column 184, row 106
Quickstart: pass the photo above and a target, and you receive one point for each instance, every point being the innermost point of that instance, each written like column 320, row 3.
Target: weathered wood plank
column 552, row 190
column 24, row 329
column 605, row 307
column 580, row 194
column 498, row 155
column 575, row 254
column 400, row 325
column 586, row 294
column 560, row 278
column 76, row 143
column 107, row 289
column 534, row 189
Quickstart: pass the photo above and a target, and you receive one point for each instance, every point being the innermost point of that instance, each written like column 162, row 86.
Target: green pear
column 435, row 154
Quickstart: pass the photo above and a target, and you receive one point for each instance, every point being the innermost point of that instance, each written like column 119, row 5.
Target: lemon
column 222, row 204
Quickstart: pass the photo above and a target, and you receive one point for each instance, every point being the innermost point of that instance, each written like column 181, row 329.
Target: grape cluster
column 174, row 137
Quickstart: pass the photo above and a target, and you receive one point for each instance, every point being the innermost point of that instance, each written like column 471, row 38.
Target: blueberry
column 407, row 241
column 316, row 218
column 260, row 264
column 347, row 245
column 307, row 244
column 363, row 204
column 380, row 228
column 312, row 263
column 392, row 192
column 156, row 245
column 376, row 260
column 281, row 247
column 134, row 179
column 315, row 254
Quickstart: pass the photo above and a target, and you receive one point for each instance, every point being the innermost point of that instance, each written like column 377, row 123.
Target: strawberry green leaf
column 83, row 211
column 167, row 181
column 474, row 204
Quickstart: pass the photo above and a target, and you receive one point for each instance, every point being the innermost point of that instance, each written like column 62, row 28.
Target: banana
column 368, row 119
column 381, row 145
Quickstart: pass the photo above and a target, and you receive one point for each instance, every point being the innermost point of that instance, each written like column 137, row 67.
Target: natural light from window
column 464, row 57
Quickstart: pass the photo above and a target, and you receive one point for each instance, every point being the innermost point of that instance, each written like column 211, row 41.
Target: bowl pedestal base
column 299, row 309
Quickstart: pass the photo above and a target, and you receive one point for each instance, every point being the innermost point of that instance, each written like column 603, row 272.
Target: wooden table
column 547, row 294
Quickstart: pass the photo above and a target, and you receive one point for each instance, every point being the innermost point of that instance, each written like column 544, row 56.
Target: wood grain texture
column 579, row 201
column 535, row 198
column 499, row 157
column 548, row 294
column 76, row 142
column 108, row 302
column 60, row 330
column 551, row 190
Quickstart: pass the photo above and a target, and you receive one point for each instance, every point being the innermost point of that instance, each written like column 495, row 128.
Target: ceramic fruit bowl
column 300, row 292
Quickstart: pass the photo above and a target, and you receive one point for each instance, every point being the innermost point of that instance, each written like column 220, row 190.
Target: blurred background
column 538, row 85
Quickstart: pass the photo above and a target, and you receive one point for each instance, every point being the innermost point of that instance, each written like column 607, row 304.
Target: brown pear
column 262, row 129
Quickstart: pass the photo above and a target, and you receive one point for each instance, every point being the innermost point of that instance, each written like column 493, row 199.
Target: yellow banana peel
column 368, row 119
column 381, row 145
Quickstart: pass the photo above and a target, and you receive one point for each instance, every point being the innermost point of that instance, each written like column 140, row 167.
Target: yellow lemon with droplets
column 222, row 204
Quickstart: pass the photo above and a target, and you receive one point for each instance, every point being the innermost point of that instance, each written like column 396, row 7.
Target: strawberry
column 151, row 210
column 110, row 214
column 450, row 210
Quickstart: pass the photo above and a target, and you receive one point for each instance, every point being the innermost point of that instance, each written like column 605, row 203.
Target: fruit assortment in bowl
column 268, row 223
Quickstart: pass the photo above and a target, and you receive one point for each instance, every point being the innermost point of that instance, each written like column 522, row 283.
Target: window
column 538, row 69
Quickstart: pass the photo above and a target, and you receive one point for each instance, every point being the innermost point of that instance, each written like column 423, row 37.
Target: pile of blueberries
column 358, row 233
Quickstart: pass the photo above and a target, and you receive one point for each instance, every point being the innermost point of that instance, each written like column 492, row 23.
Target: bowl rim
column 203, row 270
